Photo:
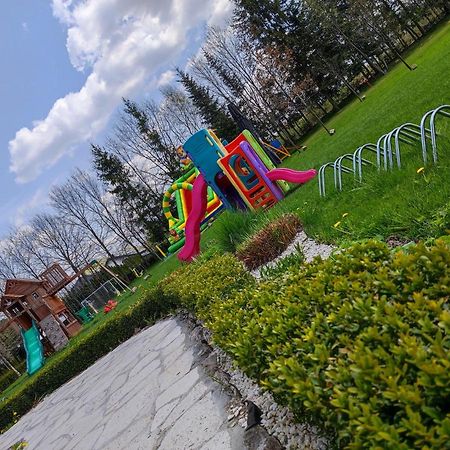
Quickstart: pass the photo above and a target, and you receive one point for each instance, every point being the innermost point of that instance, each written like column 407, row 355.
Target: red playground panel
column 247, row 180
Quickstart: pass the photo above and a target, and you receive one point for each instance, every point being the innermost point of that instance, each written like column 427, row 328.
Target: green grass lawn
column 400, row 96
column 402, row 202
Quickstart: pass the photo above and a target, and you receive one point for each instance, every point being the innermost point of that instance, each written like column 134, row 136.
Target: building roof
column 6, row 297
column 12, row 283
column 25, row 280
column 11, row 287
column 13, row 295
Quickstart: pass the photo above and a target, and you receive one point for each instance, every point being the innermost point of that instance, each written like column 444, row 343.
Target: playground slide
column 192, row 230
column 33, row 348
column 293, row 176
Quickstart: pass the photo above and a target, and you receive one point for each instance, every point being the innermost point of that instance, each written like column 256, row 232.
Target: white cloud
column 166, row 78
column 222, row 11
column 24, row 26
column 121, row 44
column 37, row 203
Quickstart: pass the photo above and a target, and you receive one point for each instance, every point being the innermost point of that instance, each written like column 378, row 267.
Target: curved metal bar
column 381, row 143
column 358, row 160
column 321, row 177
column 437, row 111
column 339, row 168
column 396, row 149
column 423, row 134
column 405, row 130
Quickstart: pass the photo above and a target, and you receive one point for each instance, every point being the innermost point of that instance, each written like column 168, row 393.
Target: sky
column 66, row 65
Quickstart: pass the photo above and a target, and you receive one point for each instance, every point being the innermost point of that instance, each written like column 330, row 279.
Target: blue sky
column 66, row 65
column 35, row 72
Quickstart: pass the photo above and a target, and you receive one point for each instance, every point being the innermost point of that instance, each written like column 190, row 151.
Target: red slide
column 293, row 176
column 192, row 231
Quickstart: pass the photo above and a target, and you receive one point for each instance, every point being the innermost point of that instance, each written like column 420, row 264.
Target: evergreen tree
column 208, row 107
column 157, row 151
column 142, row 205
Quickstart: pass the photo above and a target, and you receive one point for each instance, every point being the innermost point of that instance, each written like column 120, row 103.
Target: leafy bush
column 289, row 262
column 6, row 379
column 84, row 352
column 358, row 343
column 211, row 278
column 269, row 242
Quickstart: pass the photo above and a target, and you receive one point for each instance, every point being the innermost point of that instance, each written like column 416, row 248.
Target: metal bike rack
column 321, row 178
column 339, row 168
column 431, row 130
column 387, row 145
column 358, row 160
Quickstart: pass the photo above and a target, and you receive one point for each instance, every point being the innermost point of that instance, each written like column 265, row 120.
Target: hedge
column 8, row 377
column 79, row 356
column 358, row 343
column 212, row 278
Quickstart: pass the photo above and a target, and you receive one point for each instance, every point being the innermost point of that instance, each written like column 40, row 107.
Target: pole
column 121, row 282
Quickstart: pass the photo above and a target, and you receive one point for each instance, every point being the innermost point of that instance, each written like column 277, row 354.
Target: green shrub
column 79, row 356
column 289, row 262
column 269, row 242
column 211, row 278
column 359, row 343
column 6, row 379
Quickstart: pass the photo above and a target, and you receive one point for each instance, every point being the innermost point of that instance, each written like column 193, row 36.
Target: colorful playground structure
column 235, row 175
column 181, row 192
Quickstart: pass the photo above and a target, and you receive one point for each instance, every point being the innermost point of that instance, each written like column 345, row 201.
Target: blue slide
column 33, row 347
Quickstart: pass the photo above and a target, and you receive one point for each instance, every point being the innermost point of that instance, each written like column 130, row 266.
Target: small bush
column 290, row 262
column 269, row 242
column 358, row 343
column 79, row 356
column 7, row 378
column 211, row 278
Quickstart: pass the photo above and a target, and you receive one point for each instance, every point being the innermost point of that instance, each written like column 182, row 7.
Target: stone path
column 149, row 393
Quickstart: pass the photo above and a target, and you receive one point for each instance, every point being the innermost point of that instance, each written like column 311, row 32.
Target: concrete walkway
column 149, row 393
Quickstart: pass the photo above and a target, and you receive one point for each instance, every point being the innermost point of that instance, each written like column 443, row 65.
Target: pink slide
column 293, row 176
column 192, row 231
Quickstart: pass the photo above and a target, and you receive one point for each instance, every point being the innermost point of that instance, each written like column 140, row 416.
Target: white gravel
column 309, row 247
column 276, row 419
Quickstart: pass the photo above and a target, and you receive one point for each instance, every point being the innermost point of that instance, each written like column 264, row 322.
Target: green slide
column 34, row 349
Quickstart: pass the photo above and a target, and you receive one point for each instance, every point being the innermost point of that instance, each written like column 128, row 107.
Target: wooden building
column 28, row 300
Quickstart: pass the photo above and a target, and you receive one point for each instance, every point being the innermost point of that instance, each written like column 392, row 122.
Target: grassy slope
column 398, row 202
column 398, row 97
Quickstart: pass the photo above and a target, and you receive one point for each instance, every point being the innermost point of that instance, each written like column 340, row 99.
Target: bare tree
column 8, row 266
column 27, row 253
column 64, row 241
column 107, row 210
column 71, row 204
column 178, row 110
